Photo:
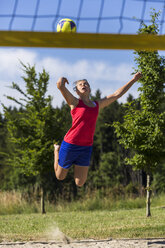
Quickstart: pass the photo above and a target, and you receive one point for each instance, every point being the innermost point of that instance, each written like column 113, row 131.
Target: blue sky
column 105, row 69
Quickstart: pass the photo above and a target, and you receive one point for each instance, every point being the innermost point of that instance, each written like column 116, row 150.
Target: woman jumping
column 76, row 147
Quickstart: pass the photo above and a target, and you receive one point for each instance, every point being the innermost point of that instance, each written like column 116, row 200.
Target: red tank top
column 83, row 125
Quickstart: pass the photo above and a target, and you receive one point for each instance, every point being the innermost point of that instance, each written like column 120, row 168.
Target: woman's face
column 83, row 87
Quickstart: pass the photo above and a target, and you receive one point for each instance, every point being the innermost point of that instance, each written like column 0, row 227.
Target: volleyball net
column 101, row 24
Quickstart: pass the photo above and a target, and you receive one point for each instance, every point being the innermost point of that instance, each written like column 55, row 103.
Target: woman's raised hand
column 61, row 82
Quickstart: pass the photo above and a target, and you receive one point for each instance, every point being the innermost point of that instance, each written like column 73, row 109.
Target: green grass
column 92, row 217
column 97, row 224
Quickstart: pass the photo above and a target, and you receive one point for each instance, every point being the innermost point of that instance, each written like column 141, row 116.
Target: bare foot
column 56, row 147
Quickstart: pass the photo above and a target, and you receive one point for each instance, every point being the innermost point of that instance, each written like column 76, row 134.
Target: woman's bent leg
column 60, row 172
column 80, row 174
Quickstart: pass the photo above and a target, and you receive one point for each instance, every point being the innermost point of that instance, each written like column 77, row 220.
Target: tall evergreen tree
column 143, row 129
column 35, row 127
column 2, row 147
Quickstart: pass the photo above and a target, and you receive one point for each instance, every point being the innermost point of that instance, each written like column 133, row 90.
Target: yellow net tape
column 82, row 40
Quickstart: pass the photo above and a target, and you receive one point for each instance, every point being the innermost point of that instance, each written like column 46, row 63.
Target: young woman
column 76, row 147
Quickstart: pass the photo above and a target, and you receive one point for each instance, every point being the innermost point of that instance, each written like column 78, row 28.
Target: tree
column 143, row 129
column 3, row 135
column 10, row 177
column 33, row 130
column 159, row 179
column 109, row 173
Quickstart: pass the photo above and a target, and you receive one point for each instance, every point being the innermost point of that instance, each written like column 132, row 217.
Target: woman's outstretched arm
column 70, row 99
column 118, row 93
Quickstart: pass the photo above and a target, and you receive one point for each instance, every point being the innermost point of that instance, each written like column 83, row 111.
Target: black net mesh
column 90, row 16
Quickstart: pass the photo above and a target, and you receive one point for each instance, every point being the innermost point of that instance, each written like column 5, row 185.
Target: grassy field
column 89, row 218
column 83, row 225
column 13, row 203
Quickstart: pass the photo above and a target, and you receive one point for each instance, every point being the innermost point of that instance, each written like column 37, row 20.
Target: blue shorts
column 73, row 154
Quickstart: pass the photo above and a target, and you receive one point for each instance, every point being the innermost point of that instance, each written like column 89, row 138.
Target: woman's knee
column 61, row 173
column 60, row 176
column 80, row 182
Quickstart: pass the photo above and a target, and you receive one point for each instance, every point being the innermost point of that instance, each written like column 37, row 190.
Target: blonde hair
column 76, row 82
